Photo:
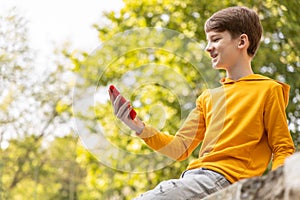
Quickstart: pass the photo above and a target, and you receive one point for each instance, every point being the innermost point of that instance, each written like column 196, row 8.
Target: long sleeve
column 276, row 126
column 182, row 144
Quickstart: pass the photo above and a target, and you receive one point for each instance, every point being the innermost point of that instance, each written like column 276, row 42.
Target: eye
column 216, row 39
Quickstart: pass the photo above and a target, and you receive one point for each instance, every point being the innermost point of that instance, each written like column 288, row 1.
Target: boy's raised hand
column 122, row 110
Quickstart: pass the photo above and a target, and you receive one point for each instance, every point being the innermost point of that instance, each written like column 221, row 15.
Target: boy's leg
column 194, row 184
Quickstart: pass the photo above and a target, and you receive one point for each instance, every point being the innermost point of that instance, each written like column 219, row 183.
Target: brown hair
column 237, row 20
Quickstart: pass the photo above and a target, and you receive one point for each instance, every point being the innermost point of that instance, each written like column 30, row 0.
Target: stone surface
column 281, row 184
column 292, row 177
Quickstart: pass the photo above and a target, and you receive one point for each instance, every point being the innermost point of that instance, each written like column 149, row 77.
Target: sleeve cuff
column 147, row 132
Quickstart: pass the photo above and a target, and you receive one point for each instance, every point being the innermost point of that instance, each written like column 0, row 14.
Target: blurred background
column 49, row 49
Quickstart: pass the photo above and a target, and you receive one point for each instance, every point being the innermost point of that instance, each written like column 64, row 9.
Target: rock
column 292, row 177
column 280, row 184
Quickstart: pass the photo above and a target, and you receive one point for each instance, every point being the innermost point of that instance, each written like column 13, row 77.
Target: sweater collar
column 251, row 77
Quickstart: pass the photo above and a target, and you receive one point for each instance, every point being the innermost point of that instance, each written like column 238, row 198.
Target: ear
column 243, row 41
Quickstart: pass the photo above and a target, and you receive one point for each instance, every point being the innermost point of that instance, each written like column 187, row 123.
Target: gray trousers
column 193, row 184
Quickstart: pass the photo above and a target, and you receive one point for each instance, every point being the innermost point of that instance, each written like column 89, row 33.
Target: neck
column 238, row 75
column 239, row 71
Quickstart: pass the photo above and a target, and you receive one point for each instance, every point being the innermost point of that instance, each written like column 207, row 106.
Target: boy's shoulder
column 265, row 85
column 255, row 83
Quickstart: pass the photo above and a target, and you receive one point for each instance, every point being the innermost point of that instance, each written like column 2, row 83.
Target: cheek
column 230, row 51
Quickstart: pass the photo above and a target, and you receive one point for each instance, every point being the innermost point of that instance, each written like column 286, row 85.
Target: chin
column 219, row 66
column 216, row 66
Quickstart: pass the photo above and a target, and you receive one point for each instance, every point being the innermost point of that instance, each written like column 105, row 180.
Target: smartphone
column 115, row 92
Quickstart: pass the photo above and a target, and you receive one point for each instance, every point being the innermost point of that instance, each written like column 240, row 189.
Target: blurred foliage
column 129, row 53
column 34, row 110
column 160, row 69
column 31, row 171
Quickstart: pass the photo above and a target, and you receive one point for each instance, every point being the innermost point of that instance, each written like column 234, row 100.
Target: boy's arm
column 180, row 146
column 276, row 124
column 177, row 147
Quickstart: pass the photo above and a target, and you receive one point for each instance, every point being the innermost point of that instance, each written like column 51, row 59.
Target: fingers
column 121, row 110
column 117, row 104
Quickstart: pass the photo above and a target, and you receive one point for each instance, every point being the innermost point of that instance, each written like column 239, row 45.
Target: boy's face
column 223, row 49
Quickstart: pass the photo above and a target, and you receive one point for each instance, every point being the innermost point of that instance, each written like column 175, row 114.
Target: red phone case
column 115, row 92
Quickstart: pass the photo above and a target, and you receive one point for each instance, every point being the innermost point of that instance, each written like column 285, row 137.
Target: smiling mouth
column 213, row 56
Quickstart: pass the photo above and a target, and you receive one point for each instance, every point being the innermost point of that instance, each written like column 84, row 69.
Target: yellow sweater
column 240, row 124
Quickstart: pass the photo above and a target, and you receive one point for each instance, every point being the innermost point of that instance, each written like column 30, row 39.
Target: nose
column 208, row 47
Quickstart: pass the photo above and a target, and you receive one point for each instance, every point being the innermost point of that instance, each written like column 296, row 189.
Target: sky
column 54, row 22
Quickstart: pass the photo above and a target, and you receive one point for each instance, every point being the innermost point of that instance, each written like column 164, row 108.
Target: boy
column 240, row 124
